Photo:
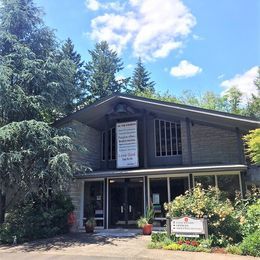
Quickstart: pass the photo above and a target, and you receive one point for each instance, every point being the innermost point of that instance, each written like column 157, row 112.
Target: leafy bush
column 222, row 222
column 233, row 249
column 162, row 236
column 155, row 245
column 251, row 244
column 185, row 247
column 251, row 221
column 37, row 218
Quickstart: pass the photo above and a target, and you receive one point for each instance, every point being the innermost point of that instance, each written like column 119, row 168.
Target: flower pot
column 147, row 229
column 89, row 229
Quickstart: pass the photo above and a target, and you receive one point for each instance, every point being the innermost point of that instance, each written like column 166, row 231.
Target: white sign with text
column 187, row 225
column 127, row 145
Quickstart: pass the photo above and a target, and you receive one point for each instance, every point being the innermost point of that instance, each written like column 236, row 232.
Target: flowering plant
column 198, row 202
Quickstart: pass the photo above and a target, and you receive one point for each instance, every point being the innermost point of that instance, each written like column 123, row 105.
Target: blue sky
column 186, row 44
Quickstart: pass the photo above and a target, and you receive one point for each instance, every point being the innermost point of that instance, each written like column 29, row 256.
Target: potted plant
column 90, row 225
column 145, row 222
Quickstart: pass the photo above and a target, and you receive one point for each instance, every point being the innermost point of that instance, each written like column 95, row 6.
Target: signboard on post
column 127, row 145
column 188, row 226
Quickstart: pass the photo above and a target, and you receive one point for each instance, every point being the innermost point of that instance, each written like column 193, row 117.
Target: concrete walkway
column 84, row 246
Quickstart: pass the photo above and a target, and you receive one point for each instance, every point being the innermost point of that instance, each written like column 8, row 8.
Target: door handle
column 130, row 208
column 122, row 209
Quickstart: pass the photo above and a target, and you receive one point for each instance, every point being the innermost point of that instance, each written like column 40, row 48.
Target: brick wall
column 213, row 145
column 89, row 138
column 184, row 143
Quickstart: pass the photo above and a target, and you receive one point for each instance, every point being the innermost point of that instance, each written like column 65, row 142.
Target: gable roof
column 91, row 114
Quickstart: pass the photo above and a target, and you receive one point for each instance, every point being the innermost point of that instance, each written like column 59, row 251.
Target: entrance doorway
column 126, row 202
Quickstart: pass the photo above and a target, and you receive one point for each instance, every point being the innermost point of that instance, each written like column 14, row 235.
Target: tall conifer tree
column 102, row 71
column 141, row 81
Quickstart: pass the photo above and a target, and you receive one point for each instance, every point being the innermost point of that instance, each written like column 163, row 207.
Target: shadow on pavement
column 66, row 241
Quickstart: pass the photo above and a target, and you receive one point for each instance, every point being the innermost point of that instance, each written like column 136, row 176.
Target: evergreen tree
column 36, row 82
column 79, row 80
column 140, row 81
column 253, row 106
column 102, row 72
column 234, row 97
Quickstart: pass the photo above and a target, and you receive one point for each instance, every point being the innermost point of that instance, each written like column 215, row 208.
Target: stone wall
column 211, row 145
column 76, row 189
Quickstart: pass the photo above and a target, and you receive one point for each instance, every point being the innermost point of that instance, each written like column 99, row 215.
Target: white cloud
column 166, row 49
column 185, row 70
column 95, row 5
column 221, row 76
column 197, row 37
column 150, row 28
column 244, row 83
column 129, row 66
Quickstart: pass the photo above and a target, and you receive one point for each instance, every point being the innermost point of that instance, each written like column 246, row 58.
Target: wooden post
column 145, row 138
column 205, row 223
column 189, row 141
column 106, row 141
column 168, row 226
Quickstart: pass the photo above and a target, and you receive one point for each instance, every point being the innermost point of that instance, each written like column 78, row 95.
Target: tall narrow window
column 179, row 138
column 163, row 143
column 103, row 146
column 111, row 144
column 167, row 138
column 157, row 137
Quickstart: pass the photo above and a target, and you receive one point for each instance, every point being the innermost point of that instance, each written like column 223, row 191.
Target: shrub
column 251, row 244
column 155, row 245
column 37, row 218
column 251, row 221
column 162, row 236
column 222, row 223
column 173, row 246
column 233, row 249
column 185, row 247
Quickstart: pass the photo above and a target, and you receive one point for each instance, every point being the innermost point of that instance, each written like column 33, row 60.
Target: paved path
column 83, row 246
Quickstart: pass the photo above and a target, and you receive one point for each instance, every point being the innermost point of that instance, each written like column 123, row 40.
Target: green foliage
column 33, row 156
column 251, row 221
column 102, row 70
column 155, row 245
column 234, row 98
column 140, row 81
column 147, row 219
column 253, row 145
column 253, row 106
column 185, row 247
column 141, row 222
column 234, row 249
column 223, row 225
column 251, row 244
column 36, row 81
column 162, row 236
column 79, row 79
column 37, row 217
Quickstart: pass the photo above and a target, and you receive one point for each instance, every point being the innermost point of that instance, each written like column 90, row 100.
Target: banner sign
column 188, row 226
column 127, row 145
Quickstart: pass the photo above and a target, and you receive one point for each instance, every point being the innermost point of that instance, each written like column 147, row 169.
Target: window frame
column 177, row 140
column 109, row 151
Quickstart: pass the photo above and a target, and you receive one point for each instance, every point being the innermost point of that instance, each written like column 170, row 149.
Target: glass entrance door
column 126, row 202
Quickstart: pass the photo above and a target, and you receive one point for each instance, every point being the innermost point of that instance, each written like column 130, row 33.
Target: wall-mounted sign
column 127, row 145
column 156, row 198
column 188, row 227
